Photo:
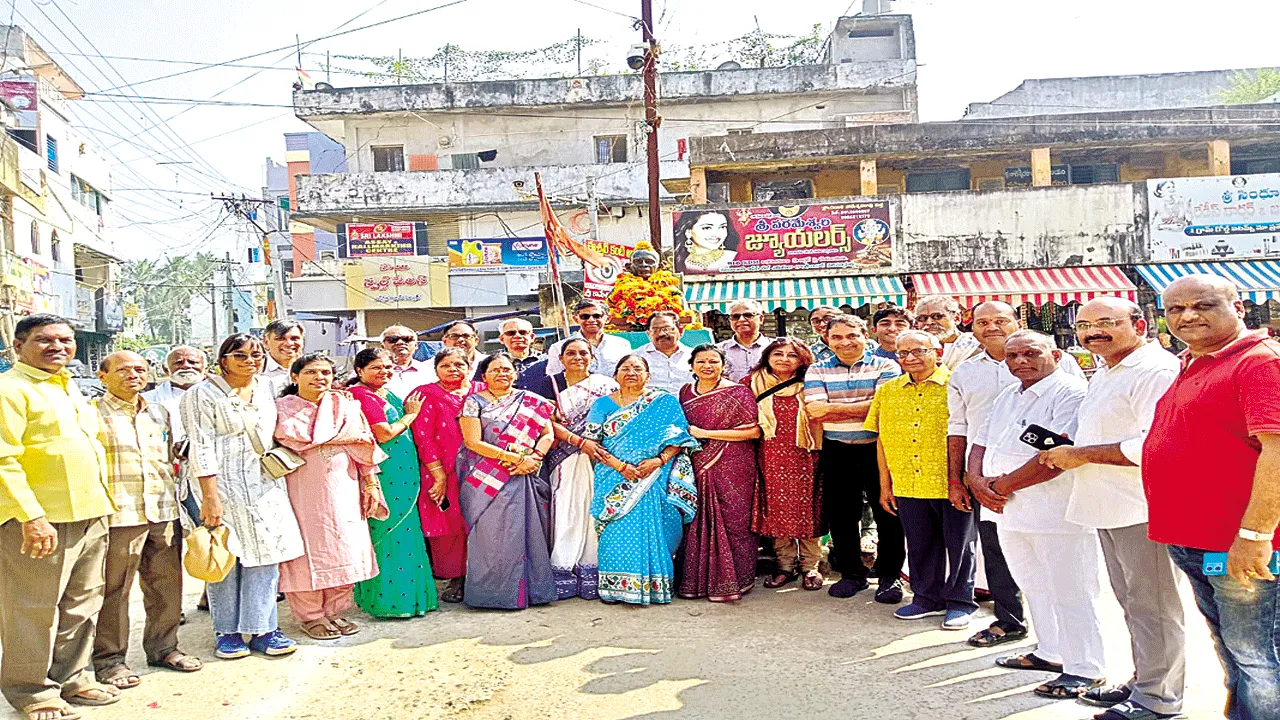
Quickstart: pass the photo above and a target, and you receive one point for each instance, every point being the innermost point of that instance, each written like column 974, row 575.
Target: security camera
column 635, row 57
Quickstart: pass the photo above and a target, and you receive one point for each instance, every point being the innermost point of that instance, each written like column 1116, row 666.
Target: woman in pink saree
column 719, row 555
column 333, row 494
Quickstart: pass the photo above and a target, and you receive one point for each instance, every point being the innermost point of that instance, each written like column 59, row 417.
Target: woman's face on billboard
column 710, row 231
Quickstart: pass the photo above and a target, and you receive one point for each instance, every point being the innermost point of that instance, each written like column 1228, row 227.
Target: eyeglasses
column 936, row 317
column 1100, row 323
column 590, row 316
column 246, row 357
column 393, row 339
column 513, row 333
column 460, row 336
column 919, row 353
column 744, row 316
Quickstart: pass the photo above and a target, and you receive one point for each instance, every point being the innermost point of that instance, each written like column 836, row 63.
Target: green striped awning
column 855, row 291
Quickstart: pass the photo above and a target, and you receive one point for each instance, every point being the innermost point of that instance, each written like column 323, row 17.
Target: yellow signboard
column 396, row 283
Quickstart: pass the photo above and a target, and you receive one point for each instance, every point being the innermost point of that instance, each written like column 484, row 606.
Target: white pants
column 1060, row 576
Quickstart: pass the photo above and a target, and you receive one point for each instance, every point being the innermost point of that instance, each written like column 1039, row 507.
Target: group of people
column 628, row 476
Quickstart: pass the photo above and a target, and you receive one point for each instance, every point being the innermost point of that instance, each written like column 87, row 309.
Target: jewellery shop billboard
column 1214, row 218
column 838, row 234
column 385, row 239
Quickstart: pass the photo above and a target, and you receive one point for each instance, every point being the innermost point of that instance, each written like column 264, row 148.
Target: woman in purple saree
column 505, row 502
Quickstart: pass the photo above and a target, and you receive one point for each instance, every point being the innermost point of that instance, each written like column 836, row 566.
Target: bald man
column 1211, row 471
column 408, row 374
column 1115, row 416
column 144, row 539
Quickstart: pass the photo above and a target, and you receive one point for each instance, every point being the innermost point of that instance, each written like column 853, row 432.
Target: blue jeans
column 1245, row 625
column 245, row 601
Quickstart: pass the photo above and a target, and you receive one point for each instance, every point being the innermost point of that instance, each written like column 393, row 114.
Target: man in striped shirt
column 838, row 392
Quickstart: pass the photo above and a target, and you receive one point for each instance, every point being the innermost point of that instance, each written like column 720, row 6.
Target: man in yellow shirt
column 54, row 503
column 910, row 413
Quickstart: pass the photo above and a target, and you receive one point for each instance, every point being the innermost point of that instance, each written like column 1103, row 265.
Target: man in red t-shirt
column 1211, row 471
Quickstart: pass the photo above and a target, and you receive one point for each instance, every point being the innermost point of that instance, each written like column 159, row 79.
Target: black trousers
column 848, row 471
column 942, row 543
column 1005, row 593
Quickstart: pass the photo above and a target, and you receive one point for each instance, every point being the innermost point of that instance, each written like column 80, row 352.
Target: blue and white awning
column 854, row 291
column 1258, row 280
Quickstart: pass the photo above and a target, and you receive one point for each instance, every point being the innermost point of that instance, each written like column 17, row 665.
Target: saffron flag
column 558, row 238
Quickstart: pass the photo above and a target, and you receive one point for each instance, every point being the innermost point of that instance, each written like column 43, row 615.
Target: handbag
column 276, row 462
column 208, row 557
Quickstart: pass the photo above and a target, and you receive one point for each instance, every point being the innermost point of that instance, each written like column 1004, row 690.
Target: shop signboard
column 391, row 283
column 841, row 234
column 496, row 254
column 1214, row 218
column 20, row 94
column 388, row 239
column 597, row 282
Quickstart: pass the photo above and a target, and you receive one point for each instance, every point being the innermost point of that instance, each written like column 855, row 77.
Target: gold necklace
column 706, row 258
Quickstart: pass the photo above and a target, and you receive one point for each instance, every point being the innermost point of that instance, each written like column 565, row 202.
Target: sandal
column 1028, row 661
column 94, row 695
column 50, row 710
column 178, row 660
column 344, row 626
column 813, row 581
column 119, row 676
column 996, row 635
column 780, row 579
column 1067, row 687
column 453, row 591
column 321, row 630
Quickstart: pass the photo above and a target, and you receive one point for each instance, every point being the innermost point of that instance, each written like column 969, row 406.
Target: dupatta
column 808, row 432
column 337, row 419
column 522, row 417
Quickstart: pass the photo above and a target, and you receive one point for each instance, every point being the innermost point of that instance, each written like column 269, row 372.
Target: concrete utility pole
column 652, row 121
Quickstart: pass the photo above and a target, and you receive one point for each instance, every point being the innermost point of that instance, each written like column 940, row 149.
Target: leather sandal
column 321, row 630
column 777, row 580
column 119, row 676
column 344, row 626
column 813, row 581
column 56, row 709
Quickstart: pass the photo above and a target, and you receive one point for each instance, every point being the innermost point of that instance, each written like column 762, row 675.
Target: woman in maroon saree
column 719, row 555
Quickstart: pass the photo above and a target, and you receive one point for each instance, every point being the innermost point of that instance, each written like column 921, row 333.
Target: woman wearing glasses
column 219, row 414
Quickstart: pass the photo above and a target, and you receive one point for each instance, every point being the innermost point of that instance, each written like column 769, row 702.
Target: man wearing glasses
column 516, row 335
column 401, row 342
column 462, row 334
column 606, row 350
column 818, row 320
column 742, row 351
column 939, row 316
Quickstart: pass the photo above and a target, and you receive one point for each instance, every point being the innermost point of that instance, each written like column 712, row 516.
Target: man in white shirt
column 668, row 358
column 186, row 366
column 1054, row 560
column 973, row 389
column 742, row 351
column 606, row 349
column 939, row 316
column 1114, row 419
column 462, row 334
column 284, row 340
column 407, row 374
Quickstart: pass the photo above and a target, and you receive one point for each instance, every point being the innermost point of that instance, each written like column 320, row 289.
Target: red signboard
column 846, row 234
column 381, row 239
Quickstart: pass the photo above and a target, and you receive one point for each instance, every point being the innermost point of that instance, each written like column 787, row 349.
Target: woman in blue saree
column 644, row 489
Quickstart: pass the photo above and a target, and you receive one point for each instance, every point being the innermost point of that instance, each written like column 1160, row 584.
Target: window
column 611, row 149
column 35, row 238
column 939, row 181
column 1092, row 174
column 1255, row 166
column 464, row 161
column 55, row 247
column 741, row 131
column 85, row 194
column 26, row 138
column 51, row 151
column 779, row 190
column 388, row 159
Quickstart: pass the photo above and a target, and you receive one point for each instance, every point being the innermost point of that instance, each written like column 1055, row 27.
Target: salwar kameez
column 439, row 439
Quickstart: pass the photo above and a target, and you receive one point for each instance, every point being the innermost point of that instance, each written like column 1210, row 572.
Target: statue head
column 644, row 260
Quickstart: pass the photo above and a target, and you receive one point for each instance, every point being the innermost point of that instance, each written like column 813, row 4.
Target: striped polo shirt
column 833, row 381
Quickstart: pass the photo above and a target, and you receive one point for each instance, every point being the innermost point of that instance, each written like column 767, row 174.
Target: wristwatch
column 1256, row 536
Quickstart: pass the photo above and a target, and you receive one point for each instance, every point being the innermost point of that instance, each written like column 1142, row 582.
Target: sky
column 968, row 51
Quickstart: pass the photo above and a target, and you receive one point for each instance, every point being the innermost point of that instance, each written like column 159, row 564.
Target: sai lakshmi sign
column 1214, row 218
column 390, row 239
column 842, row 234
column 396, row 283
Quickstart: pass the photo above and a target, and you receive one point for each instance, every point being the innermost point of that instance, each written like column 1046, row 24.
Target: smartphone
column 444, row 503
column 1216, row 563
column 1042, row 439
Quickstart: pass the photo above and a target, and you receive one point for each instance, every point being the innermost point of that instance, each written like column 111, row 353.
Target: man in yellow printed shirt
column 910, row 413
column 54, row 504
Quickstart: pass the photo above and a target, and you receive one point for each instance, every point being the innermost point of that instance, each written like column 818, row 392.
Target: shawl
column 336, row 420
column 808, row 432
column 525, row 415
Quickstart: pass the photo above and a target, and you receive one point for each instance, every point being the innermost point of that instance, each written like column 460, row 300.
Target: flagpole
column 553, row 249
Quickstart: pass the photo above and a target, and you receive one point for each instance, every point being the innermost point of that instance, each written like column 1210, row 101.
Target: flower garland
column 634, row 300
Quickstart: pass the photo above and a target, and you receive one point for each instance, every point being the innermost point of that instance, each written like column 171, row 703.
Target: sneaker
column 890, row 594
column 847, row 587
column 1106, row 696
column 230, row 646
column 1129, row 710
column 915, row 612
column 957, row 620
column 273, row 643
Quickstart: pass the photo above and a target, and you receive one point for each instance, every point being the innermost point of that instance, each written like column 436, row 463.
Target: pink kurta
column 335, row 440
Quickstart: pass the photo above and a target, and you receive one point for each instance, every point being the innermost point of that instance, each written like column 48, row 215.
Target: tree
column 163, row 290
column 1251, row 87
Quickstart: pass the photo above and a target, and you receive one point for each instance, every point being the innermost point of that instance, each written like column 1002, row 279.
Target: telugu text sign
column 497, row 254
column 852, row 234
column 396, row 283
column 389, row 239
column 1214, row 218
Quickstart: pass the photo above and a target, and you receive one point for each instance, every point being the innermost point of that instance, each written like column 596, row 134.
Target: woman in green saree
column 404, row 586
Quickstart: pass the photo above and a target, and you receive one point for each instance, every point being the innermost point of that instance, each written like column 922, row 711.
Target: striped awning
column 1258, row 280
column 791, row 294
column 1038, row 286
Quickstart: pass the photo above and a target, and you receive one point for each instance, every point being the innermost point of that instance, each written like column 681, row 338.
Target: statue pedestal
column 692, row 338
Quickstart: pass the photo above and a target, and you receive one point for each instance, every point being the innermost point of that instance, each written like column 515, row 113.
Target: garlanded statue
column 643, row 289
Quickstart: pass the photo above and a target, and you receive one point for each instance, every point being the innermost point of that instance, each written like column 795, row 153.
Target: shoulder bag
column 276, row 462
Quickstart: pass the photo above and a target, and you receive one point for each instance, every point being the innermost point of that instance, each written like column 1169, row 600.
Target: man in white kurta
column 1053, row 560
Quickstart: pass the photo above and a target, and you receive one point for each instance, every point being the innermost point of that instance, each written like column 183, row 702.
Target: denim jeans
column 245, row 601
column 1245, row 625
